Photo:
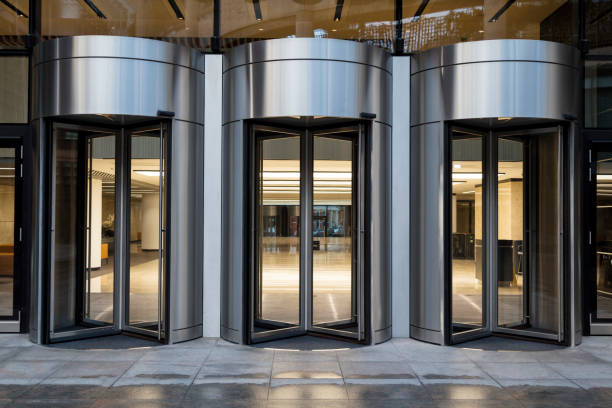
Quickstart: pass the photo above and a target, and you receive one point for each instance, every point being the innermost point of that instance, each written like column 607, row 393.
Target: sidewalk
column 121, row 371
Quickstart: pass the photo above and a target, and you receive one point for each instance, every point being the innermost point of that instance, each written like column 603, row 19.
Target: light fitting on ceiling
column 95, row 9
column 338, row 13
column 12, row 7
column 257, row 10
column 501, row 11
column 177, row 10
column 420, row 10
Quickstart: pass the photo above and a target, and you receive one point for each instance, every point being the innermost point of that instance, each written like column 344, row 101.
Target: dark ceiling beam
column 501, row 11
column 420, row 10
column 257, row 10
column 176, row 9
column 338, row 13
column 15, row 9
column 95, row 8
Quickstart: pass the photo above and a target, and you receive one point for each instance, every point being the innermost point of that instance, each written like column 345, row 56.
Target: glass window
column 359, row 20
column 435, row 23
column 188, row 22
column 14, row 24
column 598, row 94
column 598, row 26
column 14, row 89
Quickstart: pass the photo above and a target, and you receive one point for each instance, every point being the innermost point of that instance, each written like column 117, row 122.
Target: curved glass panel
column 14, row 24
column 430, row 24
column 359, row 20
column 186, row 22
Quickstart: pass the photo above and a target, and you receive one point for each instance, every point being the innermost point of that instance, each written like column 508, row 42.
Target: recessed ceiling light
column 456, row 166
column 260, row 29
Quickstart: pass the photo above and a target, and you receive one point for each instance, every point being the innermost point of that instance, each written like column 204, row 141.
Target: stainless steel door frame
column 79, row 333
column 306, row 238
column 488, row 228
column 559, row 336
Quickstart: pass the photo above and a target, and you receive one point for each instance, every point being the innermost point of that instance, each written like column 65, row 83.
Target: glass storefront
column 187, row 22
column 417, row 24
column 14, row 23
column 358, row 20
column 430, row 24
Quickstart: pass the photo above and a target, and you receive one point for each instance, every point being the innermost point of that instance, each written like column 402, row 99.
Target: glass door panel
column 277, row 288
column 603, row 236
column 8, row 284
column 81, row 302
column 335, row 270
column 146, row 231
column 468, row 273
column 530, row 218
column 511, row 255
column 98, row 302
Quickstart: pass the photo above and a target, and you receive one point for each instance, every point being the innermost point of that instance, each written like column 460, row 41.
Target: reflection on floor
column 6, row 296
column 331, row 279
column 467, row 296
column 143, row 288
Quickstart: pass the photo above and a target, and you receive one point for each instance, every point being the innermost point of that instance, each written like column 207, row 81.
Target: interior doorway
column 108, row 230
column 11, row 235
column 307, row 209
column 506, row 269
column 597, row 290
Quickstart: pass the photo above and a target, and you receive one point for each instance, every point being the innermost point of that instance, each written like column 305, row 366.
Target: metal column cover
column 304, row 77
column 471, row 80
column 130, row 77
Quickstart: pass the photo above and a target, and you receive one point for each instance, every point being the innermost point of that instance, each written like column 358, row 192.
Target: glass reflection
column 467, row 266
column 358, row 20
column 191, row 24
column 100, row 240
column 603, row 235
column 278, row 231
column 7, row 230
column 511, row 253
column 144, row 230
column 598, row 94
column 14, row 23
column 333, row 220
column 447, row 22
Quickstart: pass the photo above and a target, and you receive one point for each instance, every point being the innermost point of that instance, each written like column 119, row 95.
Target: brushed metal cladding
column 307, row 48
column 75, row 81
column 315, row 78
column 37, row 255
column 427, row 169
column 378, row 188
column 186, row 234
column 461, row 82
column 233, row 246
column 497, row 50
column 87, row 46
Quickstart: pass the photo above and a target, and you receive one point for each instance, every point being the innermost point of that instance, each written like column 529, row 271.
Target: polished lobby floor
column 143, row 288
column 467, row 296
column 331, row 279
